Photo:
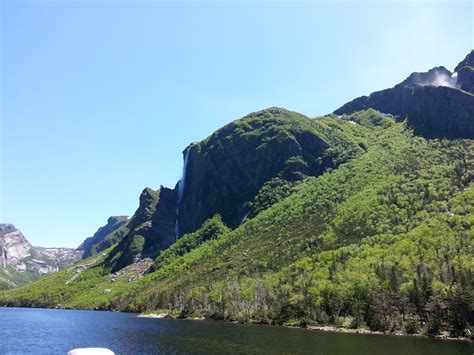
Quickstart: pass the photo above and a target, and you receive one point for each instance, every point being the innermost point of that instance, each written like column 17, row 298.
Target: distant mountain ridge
column 20, row 262
column 99, row 241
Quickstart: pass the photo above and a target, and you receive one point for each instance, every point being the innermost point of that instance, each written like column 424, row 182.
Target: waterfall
column 181, row 184
column 181, row 181
column 176, row 225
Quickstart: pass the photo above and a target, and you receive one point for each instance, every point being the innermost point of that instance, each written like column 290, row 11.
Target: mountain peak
column 6, row 228
column 273, row 111
column 437, row 76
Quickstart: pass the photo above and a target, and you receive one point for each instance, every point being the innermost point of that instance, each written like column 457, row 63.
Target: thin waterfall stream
column 181, row 186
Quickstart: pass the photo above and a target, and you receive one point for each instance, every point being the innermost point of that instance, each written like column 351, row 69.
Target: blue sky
column 98, row 99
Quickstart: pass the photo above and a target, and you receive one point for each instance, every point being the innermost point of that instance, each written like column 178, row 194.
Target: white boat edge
column 91, row 351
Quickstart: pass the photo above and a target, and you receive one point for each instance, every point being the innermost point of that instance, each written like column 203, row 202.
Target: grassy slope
column 10, row 278
column 384, row 241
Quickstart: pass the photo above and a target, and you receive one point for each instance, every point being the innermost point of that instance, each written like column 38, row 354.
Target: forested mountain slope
column 266, row 152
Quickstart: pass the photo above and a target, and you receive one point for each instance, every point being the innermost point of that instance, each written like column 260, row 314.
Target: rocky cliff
column 21, row 262
column 437, row 103
column 151, row 229
column 465, row 79
column 225, row 171
column 466, row 62
column 13, row 246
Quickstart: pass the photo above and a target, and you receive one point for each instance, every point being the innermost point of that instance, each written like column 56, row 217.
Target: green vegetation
column 9, row 277
column 105, row 236
column 75, row 282
column 383, row 240
column 211, row 229
column 271, row 192
column 111, row 239
column 272, row 146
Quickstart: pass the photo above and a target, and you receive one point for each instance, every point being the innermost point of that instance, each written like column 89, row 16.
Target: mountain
column 224, row 173
column 104, row 237
column 437, row 103
column 20, row 262
column 356, row 220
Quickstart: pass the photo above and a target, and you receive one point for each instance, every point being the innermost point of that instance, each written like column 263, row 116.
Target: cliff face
column 20, row 262
column 155, row 219
column 437, row 103
column 227, row 170
column 466, row 79
column 13, row 246
column 439, row 111
column 222, row 174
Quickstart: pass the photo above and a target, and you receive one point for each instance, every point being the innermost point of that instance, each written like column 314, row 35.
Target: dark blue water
column 45, row 331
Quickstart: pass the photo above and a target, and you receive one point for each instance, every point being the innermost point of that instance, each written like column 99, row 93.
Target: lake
column 49, row 331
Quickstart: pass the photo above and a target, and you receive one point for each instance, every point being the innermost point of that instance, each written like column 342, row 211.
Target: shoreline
column 364, row 331
column 321, row 328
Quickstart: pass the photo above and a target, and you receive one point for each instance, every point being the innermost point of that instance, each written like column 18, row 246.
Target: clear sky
column 99, row 98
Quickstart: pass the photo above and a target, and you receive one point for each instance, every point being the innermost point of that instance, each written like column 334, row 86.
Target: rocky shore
column 322, row 328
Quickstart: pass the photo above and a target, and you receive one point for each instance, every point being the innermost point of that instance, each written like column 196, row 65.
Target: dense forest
column 381, row 238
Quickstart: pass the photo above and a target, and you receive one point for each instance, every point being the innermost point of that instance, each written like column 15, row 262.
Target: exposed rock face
column 95, row 243
column 466, row 79
column 151, row 229
column 465, row 73
column 20, row 262
column 163, row 223
column 46, row 260
column 13, row 245
column 149, row 198
column 438, row 76
column 437, row 103
column 440, row 111
column 155, row 219
column 221, row 175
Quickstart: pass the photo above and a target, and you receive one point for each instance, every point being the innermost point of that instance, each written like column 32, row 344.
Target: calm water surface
column 46, row 331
